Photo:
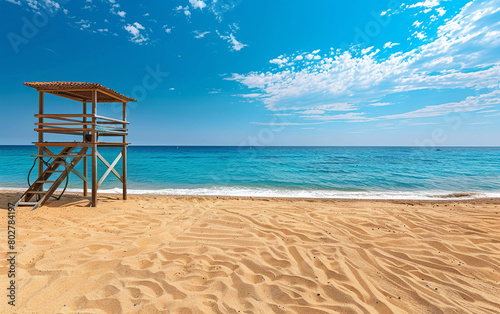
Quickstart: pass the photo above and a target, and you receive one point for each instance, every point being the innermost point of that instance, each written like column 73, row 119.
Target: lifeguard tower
column 89, row 131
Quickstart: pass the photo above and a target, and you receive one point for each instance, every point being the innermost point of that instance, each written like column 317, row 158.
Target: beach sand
column 154, row 254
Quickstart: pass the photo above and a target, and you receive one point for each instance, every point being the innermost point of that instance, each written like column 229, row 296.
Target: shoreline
column 424, row 196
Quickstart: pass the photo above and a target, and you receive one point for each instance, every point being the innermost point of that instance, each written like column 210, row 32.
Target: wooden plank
column 108, row 122
column 63, row 155
column 63, row 132
column 82, row 98
column 48, row 156
column 65, row 96
column 112, row 134
column 111, row 119
column 124, row 153
column 66, row 89
column 51, row 168
column 40, row 134
column 120, row 99
column 85, row 165
column 78, row 174
column 59, row 129
column 66, row 119
column 78, row 144
column 110, row 168
column 94, row 150
column 115, row 97
column 109, row 128
column 104, row 161
column 63, row 123
column 63, row 115
column 61, row 178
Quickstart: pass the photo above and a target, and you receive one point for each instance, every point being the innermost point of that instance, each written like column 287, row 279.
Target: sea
column 302, row 172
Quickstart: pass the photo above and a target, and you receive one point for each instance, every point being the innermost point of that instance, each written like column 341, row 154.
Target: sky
column 241, row 72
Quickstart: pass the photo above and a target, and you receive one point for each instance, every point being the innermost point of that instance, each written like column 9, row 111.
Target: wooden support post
column 94, row 149
column 124, row 153
column 85, row 166
column 40, row 136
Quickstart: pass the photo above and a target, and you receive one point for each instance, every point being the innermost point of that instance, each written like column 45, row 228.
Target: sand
column 154, row 254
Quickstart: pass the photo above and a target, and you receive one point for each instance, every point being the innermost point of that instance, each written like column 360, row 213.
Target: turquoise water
column 353, row 172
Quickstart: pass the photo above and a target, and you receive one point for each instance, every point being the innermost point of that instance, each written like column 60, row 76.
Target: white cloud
column 197, row 4
column 135, row 31
column 235, row 44
column 280, row 62
column 425, row 4
column 462, row 54
column 185, row 9
column 37, row 6
column 419, row 35
column 313, row 111
column 83, row 24
column 282, row 123
column 252, row 95
column 473, row 103
column 349, row 117
column 200, row 34
column 441, row 11
column 380, row 104
column 367, row 50
column 121, row 13
column 390, row 44
column 417, row 23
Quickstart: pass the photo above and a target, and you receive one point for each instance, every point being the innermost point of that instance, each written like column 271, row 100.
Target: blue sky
column 263, row 72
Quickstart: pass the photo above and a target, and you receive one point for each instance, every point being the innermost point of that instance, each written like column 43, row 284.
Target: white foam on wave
column 266, row 192
column 263, row 192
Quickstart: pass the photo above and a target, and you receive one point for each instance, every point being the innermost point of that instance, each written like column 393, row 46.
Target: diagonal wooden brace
column 81, row 176
column 110, row 168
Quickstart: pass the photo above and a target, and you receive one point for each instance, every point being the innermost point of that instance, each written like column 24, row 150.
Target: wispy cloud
column 461, row 55
column 473, row 103
column 199, row 34
column 283, row 123
column 390, row 45
column 234, row 44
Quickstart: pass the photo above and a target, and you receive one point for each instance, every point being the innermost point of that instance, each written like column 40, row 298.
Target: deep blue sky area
column 263, row 72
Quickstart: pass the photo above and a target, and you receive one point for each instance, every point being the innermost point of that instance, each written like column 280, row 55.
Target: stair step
column 27, row 203
column 55, row 170
column 37, row 192
column 45, row 181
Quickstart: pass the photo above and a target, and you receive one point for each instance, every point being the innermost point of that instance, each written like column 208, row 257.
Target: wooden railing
column 79, row 124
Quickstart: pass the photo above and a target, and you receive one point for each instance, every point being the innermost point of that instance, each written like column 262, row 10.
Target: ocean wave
column 268, row 192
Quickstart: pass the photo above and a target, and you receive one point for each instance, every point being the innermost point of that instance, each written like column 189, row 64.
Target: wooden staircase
column 36, row 192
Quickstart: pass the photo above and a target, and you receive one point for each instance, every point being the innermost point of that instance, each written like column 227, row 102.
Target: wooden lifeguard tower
column 91, row 131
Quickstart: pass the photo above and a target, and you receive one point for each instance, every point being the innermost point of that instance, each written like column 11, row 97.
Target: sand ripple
column 198, row 255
